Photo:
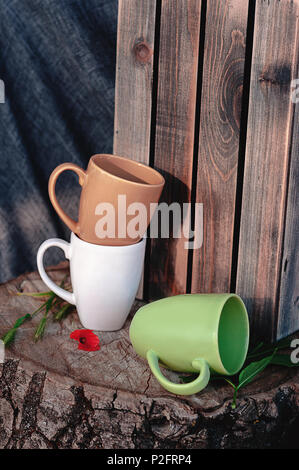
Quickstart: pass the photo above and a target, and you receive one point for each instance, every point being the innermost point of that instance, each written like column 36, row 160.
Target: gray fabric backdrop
column 57, row 61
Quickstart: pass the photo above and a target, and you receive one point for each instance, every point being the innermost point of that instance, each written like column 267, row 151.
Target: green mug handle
column 181, row 389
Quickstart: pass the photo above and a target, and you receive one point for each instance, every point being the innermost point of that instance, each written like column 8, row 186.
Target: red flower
column 88, row 341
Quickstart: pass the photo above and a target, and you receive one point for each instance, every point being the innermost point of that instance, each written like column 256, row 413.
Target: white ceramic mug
column 104, row 279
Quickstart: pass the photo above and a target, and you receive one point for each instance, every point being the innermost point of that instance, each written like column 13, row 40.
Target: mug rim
column 245, row 314
column 138, row 244
column 134, row 162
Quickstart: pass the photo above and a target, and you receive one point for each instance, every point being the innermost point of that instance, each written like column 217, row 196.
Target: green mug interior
column 233, row 335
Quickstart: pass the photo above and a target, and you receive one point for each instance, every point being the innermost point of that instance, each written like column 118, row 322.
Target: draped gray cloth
column 57, row 62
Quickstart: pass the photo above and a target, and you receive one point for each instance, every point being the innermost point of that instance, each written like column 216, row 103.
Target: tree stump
column 54, row 396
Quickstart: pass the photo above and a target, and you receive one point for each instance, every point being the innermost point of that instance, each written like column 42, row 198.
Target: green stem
column 52, row 301
column 34, row 294
column 39, row 332
column 234, row 402
column 228, row 381
column 10, row 335
column 63, row 312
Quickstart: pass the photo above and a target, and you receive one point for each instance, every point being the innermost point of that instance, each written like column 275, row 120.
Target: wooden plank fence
column 174, row 134
column 219, row 134
column 186, row 104
column 274, row 63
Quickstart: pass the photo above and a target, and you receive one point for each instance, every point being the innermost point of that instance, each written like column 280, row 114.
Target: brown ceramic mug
column 110, row 181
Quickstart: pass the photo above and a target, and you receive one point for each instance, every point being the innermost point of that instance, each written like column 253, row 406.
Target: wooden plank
column 134, row 76
column 175, row 120
column 222, row 88
column 288, row 314
column 134, row 70
column 274, row 64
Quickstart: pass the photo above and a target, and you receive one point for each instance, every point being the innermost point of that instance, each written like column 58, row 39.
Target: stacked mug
column 106, row 257
column 197, row 333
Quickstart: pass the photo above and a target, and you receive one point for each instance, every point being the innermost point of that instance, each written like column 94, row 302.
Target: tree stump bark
column 54, row 396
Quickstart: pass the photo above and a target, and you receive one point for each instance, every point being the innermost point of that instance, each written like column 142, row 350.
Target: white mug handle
column 66, row 248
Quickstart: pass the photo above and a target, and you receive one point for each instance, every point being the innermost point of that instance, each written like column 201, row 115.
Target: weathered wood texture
column 265, row 269
column 274, row 64
column 134, row 81
column 174, row 137
column 220, row 115
column 54, row 396
column 134, row 76
column 288, row 316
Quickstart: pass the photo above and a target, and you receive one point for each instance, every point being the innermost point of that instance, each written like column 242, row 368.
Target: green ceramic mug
column 192, row 333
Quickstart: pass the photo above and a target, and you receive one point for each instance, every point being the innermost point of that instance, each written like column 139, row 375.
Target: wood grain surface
column 134, row 76
column 274, row 64
column 174, row 139
column 54, row 396
column 219, row 133
column 134, row 81
column 288, row 314
column 186, row 111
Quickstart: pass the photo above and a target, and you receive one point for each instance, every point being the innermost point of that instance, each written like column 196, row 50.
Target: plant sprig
column 39, row 332
column 266, row 355
column 52, row 301
column 248, row 374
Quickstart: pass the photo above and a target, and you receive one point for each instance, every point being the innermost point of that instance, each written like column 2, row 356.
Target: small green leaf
column 9, row 336
column 39, row 309
column 63, row 312
column 39, row 332
column 256, row 348
column 34, row 294
column 283, row 343
column 49, row 302
column 21, row 320
column 250, row 372
column 234, row 402
column 283, row 360
column 231, row 383
column 265, row 350
column 46, row 306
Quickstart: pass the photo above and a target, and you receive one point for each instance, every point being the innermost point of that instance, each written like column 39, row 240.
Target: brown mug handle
column 72, row 225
